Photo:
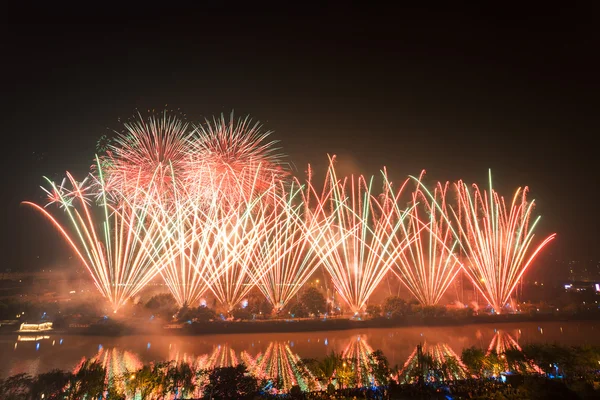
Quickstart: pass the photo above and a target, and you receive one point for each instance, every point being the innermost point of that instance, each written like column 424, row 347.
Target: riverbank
column 137, row 327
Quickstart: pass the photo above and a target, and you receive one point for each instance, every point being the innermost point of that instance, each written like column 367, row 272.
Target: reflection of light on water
column 503, row 341
column 440, row 353
column 31, row 338
column 116, row 362
column 281, row 365
column 358, row 350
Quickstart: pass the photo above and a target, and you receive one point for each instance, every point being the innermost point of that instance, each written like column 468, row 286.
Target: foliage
column 394, row 307
column 380, row 367
column 88, row 381
column 205, row 314
column 314, row 301
column 473, row 358
column 163, row 305
column 433, row 311
column 373, row 310
column 230, row 383
column 16, row 387
column 259, row 305
column 50, row 384
column 298, row 310
column 241, row 313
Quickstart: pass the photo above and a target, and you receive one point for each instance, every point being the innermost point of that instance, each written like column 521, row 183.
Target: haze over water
column 35, row 354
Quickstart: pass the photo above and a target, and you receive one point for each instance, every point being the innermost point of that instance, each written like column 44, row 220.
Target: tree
column 515, row 360
column 434, row 311
column 373, row 310
column 394, row 307
column 314, row 301
column 186, row 314
column 241, row 313
column 163, row 305
column 145, row 381
column 205, row 314
column 473, row 358
column 380, row 367
column 259, row 305
column 16, row 387
column 298, row 310
column 50, row 384
column 88, row 381
column 231, row 383
column 180, row 379
column 325, row 368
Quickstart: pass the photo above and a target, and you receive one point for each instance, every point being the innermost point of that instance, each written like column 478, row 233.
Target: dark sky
column 452, row 91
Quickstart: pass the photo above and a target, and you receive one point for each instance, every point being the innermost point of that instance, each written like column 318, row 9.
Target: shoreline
column 304, row 325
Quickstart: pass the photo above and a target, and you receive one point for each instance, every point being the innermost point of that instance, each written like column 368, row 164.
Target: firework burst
column 124, row 253
column 497, row 240
column 239, row 153
column 149, row 152
column 429, row 264
column 286, row 248
column 359, row 238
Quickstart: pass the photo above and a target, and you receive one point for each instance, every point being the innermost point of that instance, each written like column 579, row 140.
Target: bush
column 231, row 383
column 374, row 310
column 298, row 310
column 314, row 301
column 163, row 304
column 205, row 314
column 241, row 313
column 394, row 307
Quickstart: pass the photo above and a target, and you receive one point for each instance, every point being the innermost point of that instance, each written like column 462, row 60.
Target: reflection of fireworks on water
column 503, row 341
column 440, row 354
column 281, row 365
column 221, row 356
column 358, row 352
column 116, row 363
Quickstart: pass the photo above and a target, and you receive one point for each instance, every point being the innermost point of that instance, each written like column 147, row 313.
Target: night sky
column 453, row 92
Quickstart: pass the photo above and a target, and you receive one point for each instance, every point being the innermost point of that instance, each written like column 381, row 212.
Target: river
column 35, row 354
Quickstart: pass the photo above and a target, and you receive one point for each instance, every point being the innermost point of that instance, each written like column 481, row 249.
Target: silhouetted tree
column 394, row 307
column 230, row 383
column 314, row 301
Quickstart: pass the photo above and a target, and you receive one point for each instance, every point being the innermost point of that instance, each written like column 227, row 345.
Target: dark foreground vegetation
column 534, row 372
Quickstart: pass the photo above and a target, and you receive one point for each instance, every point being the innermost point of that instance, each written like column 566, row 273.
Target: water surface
column 34, row 354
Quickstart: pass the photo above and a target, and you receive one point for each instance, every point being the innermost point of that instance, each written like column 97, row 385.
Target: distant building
column 583, row 286
column 584, row 271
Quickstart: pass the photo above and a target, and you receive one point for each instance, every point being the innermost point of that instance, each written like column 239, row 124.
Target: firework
column 239, row 153
column 149, row 153
column 286, row 248
column 429, row 264
column 359, row 238
column 190, row 242
column 124, row 253
column 496, row 239
column 237, row 235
